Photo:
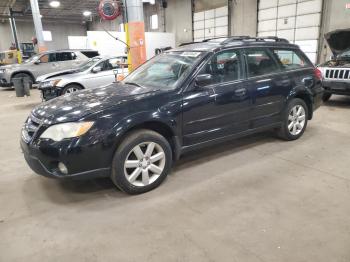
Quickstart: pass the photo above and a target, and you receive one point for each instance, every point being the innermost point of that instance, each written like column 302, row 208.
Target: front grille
column 337, row 74
column 30, row 127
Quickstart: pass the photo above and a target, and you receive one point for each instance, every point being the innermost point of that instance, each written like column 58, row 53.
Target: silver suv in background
column 44, row 63
column 98, row 71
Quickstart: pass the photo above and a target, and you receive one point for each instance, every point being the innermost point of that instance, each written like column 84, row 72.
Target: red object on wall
column 347, row 6
column 109, row 9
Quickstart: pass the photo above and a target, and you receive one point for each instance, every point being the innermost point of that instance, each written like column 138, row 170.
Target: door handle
column 240, row 92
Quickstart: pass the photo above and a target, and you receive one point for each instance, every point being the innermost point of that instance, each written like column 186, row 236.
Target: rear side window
column 90, row 54
column 260, row 62
column 64, row 56
column 291, row 59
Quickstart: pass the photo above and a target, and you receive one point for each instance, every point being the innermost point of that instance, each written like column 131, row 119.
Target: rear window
column 291, row 59
column 90, row 54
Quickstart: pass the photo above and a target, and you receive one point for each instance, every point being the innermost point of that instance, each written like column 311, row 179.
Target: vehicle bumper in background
column 4, row 83
column 337, row 87
column 50, row 92
column 47, row 164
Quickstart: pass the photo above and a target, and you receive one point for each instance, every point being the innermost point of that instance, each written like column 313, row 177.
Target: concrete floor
column 256, row 199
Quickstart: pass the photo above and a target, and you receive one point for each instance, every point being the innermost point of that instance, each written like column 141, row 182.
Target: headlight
column 66, row 130
column 51, row 83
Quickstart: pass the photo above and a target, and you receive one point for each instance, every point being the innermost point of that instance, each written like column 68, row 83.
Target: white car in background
column 97, row 71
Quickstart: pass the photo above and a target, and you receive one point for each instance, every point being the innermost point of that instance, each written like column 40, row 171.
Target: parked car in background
column 183, row 99
column 44, row 63
column 336, row 72
column 97, row 71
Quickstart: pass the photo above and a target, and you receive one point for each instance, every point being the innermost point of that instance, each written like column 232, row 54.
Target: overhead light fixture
column 55, row 4
column 87, row 13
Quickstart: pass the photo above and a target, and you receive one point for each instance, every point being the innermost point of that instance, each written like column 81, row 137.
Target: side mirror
column 203, row 80
column 96, row 69
column 37, row 62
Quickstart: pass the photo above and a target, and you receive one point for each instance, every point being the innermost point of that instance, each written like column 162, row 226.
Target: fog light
column 62, row 167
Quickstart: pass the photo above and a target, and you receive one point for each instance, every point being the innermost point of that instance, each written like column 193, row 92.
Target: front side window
column 166, row 70
column 260, row 62
column 224, row 67
column 48, row 58
column 114, row 63
column 290, row 59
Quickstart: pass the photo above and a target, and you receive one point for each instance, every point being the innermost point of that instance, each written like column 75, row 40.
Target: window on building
column 154, row 22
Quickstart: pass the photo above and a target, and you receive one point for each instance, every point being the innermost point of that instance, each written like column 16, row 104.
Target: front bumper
column 49, row 93
column 44, row 159
column 4, row 83
column 336, row 87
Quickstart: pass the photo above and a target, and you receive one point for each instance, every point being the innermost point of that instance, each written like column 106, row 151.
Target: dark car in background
column 184, row 99
column 336, row 72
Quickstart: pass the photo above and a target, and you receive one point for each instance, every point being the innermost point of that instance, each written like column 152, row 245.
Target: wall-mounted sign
column 347, row 6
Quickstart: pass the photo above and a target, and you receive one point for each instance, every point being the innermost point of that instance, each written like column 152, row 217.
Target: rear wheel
column 326, row 97
column 141, row 162
column 294, row 120
column 71, row 89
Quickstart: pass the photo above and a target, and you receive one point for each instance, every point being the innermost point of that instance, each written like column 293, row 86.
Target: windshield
column 89, row 63
column 345, row 54
column 165, row 70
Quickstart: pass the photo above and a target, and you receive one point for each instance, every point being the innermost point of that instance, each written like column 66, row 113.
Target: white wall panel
column 221, row 21
column 286, row 11
column 286, row 23
column 198, row 25
column 307, row 33
column 221, row 31
column 286, row 2
column 313, row 20
column 267, row 4
column 221, row 11
column 268, row 25
column 267, row 14
column 287, row 34
column 297, row 20
column 210, row 23
column 309, row 7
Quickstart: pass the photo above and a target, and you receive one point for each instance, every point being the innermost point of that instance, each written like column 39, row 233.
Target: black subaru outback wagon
column 193, row 96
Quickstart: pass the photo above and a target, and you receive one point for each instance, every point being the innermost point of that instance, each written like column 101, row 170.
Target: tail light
column 318, row 73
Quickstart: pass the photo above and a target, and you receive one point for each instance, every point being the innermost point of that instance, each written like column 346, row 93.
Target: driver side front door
column 220, row 108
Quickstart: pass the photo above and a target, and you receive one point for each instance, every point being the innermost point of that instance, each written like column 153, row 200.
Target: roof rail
column 262, row 38
column 188, row 43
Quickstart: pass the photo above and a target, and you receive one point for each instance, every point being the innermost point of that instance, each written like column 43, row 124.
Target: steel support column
column 38, row 25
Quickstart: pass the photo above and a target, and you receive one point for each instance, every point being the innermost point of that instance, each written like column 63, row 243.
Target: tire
column 294, row 121
column 71, row 89
column 326, row 97
column 132, row 177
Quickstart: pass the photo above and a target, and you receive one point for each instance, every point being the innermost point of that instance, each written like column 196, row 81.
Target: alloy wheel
column 296, row 120
column 71, row 90
column 144, row 164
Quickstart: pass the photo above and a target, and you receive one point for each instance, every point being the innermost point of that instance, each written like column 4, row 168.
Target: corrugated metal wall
column 298, row 21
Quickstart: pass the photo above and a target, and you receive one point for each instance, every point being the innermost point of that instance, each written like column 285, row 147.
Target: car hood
column 56, row 74
column 77, row 105
column 338, row 40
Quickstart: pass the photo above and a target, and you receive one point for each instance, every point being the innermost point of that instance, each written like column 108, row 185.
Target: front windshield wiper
column 132, row 83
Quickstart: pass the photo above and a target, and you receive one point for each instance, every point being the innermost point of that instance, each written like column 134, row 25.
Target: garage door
column 210, row 23
column 296, row 20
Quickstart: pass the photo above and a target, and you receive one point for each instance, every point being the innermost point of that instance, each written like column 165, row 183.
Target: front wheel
column 141, row 162
column 71, row 89
column 294, row 120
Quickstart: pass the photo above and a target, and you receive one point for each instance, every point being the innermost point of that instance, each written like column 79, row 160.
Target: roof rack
column 257, row 39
